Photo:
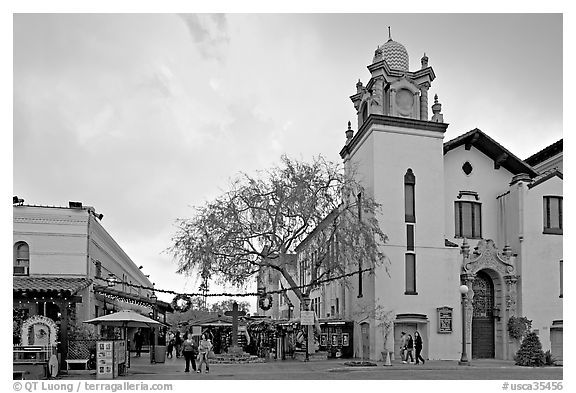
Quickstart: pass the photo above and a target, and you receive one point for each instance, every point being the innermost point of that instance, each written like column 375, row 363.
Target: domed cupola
column 395, row 55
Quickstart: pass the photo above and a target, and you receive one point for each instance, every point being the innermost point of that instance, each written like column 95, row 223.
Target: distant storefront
column 336, row 338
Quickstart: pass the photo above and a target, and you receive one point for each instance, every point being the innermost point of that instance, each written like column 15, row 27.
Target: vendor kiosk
column 110, row 359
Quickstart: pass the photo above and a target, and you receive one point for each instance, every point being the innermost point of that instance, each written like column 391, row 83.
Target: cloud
column 209, row 33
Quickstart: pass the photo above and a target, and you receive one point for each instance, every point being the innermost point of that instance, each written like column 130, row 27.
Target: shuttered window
column 468, row 219
column 553, row 214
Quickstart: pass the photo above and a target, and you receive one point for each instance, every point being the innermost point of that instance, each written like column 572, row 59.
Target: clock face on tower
column 404, row 102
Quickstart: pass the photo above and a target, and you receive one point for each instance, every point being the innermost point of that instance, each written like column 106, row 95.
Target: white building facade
column 466, row 211
column 62, row 265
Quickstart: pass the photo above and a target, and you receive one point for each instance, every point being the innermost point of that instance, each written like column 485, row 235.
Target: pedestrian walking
column 403, row 342
column 138, row 341
column 178, row 344
column 409, row 348
column 189, row 350
column 170, row 349
column 418, row 347
column 203, row 351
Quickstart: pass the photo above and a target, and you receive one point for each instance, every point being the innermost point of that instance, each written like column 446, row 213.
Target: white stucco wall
column 484, row 179
column 57, row 239
column 540, row 259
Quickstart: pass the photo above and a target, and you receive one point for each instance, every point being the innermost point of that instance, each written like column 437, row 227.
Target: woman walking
column 203, row 351
column 189, row 350
column 409, row 348
column 178, row 344
column 418, row 347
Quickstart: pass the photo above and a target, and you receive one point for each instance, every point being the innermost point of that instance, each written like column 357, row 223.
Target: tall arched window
column 21, row 259
column 409, row 196
column 364, row 112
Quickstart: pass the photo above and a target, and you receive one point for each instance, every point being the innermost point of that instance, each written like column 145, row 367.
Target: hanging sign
column 307, row 318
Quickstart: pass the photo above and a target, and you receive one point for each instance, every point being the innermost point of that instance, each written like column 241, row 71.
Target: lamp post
column 153, row 299
column 464, row 359
column 306, row 308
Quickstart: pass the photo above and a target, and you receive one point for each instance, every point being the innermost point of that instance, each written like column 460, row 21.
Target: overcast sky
column 145, row 116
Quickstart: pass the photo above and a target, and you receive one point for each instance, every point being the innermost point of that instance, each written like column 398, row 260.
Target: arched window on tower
column 364, row 112
column 21, row 259
column 409, row 196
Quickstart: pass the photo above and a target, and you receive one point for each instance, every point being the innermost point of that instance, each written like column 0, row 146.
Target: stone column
column 467, row 279
column 510, row 305
column 392, row 109
column 424, row 101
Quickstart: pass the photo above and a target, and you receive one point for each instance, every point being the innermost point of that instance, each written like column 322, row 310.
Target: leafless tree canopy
column 263, row 219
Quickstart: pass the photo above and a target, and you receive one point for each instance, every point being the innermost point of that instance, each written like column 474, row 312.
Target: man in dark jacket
column 138, row 341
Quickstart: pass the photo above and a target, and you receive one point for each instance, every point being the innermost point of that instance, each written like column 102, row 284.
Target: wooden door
column 365, row 333
column 483, row 345
column 556, row 341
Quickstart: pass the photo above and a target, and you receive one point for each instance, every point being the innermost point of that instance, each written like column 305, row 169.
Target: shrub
column 518, row 326
column 549, row 359
column 530, row 352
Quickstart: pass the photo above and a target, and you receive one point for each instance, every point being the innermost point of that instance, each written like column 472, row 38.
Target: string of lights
column 246, row 294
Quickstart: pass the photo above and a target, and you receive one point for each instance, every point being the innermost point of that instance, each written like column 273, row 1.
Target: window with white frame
column 553, row 214
column 21, row 265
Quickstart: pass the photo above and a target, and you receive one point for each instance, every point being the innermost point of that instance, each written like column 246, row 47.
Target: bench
column 83, row 362
column 19, row 374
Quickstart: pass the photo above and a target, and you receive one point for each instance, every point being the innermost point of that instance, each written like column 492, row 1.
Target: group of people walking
column 184, row 346
column 193, row 352
column 408, row 344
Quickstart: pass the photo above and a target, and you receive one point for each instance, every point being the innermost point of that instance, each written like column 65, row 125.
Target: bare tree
column 259, row 223
column 226, row 305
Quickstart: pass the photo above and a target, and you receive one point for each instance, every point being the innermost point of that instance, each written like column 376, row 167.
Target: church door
column 365, row 331
column 482, row 317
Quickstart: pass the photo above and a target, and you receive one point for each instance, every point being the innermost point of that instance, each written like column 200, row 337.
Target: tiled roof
column 492, row 149
column 49, row 284
column 545, row 176
column 546, row 153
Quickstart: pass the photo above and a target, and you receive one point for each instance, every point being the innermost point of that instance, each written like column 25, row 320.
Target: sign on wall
column 444, row 319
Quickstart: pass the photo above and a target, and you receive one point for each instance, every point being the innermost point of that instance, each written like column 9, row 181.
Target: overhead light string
column 228, row 294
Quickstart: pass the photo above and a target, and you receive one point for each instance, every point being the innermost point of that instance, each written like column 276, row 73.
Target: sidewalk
column 174, row 368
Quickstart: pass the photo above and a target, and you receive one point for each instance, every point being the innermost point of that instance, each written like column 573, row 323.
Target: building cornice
column 391, row 121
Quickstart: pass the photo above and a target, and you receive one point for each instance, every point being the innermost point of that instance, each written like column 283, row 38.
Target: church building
column 461, row 212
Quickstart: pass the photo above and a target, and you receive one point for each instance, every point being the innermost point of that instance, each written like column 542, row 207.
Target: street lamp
column 153, row 299
column 306, row 308
column 464, row 359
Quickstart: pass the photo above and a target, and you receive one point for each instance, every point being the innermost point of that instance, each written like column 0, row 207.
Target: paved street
column 173, row 369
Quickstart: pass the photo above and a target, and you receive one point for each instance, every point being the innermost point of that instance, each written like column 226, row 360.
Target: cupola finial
column 437, row 117
column 389, row 34
column 349, row 132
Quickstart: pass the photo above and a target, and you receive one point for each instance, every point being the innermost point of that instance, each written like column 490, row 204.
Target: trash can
column 160, row 354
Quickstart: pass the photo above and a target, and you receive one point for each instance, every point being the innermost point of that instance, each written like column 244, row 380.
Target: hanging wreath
column 181, row 303
column 265, row 302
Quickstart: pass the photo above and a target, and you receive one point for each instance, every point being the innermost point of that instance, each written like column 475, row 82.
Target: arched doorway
column 483, row 317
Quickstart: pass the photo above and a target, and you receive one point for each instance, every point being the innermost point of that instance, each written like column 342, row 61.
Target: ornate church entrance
column 482, row 317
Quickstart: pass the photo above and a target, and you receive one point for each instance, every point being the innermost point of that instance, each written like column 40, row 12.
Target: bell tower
column 397, row 155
